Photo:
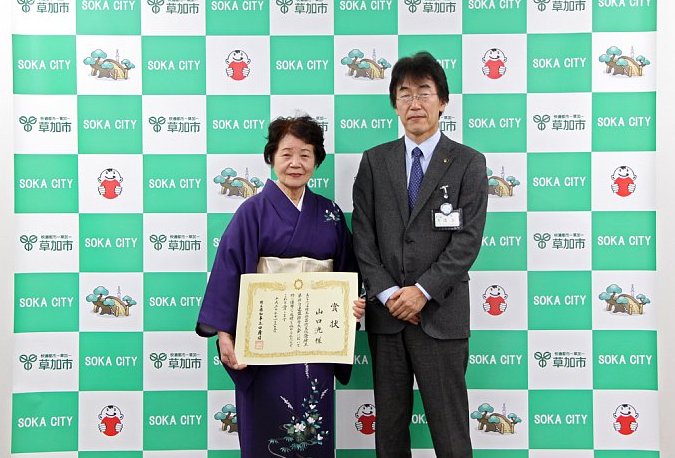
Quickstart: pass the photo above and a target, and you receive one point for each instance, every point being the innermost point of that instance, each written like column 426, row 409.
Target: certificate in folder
column 296, row 318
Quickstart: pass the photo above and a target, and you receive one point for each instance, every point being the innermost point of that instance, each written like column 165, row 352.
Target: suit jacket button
column 409, row 240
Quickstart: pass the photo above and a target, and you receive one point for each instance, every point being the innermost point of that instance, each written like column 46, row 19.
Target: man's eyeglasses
column 407, row 99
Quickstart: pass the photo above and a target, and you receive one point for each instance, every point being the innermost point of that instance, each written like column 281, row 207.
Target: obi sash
column 272, row 265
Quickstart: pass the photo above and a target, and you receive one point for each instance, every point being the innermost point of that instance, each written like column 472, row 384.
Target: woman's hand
column 227, row 356
column 359, row 307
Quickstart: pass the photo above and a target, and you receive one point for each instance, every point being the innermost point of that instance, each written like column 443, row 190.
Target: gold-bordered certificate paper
column 296, row 318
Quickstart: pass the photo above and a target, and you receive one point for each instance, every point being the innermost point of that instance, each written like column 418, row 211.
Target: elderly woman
column 282, row 410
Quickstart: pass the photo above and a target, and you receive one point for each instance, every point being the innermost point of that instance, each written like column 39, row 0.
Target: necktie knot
column 416, row 153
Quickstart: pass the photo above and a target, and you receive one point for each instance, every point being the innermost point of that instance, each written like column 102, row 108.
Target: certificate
column 296, row 318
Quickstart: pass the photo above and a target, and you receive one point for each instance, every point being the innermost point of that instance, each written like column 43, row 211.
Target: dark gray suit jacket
column 396, row 248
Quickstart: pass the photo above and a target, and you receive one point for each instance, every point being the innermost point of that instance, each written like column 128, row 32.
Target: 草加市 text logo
column 174, row 6
column 175, row 124
column 565, row 6
column 46, row 6
column 561, row 359
column 47, row 123
column 432, row 6
column 303, row 6
column 48, row 242
column 52, row 361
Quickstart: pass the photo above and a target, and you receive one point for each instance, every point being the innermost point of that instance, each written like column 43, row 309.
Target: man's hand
column 406, row 304
column 227, row 356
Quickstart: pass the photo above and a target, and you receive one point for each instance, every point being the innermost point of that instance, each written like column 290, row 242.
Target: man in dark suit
column 419, row 213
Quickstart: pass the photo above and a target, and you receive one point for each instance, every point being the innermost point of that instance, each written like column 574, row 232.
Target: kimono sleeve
column 344, row 259
column 237, row 254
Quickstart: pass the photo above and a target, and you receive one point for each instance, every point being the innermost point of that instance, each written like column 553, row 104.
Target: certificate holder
column 293, row 318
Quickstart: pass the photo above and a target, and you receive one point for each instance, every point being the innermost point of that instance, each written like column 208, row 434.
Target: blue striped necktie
column 416, row 175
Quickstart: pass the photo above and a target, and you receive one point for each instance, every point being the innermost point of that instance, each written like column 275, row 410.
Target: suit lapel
column 396, row 166
column 440, row 161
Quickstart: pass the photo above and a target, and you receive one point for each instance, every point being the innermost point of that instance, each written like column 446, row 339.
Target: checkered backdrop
column 139, row 127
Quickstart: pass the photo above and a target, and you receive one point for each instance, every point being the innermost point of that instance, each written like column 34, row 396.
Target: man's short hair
column 417, row 67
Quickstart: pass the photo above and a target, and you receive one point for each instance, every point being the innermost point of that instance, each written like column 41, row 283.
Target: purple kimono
column 282, row 410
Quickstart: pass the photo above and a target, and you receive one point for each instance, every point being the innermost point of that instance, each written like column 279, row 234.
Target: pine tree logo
column 361, row 67
column 232, row 185
column 106, row 304
column 619, row 64
column 489, row 421
column 104, row 67
column 619, row 302
column 228, row 417
column 501, row 185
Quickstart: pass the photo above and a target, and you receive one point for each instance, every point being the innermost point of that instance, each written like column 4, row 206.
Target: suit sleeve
column 456, row 259
column 375, row 276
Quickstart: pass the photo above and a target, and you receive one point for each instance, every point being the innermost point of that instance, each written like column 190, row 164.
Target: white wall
column 665, row 223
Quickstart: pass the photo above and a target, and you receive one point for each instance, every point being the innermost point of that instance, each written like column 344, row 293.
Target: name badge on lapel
column 446, row 218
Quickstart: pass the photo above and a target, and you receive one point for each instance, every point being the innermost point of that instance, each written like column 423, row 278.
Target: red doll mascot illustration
column 626, row 419
column 623, row 181
column 110, row 183
column 495, row 300
column 237, row 65
column 365, row 419
column 111, row 420
column 495, row 63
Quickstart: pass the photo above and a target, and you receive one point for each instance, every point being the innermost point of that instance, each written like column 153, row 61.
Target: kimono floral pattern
column 332, row 215
column 305, row 428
